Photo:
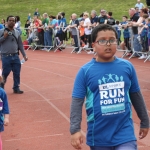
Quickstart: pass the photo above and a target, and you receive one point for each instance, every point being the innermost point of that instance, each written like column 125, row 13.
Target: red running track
column 39, row 118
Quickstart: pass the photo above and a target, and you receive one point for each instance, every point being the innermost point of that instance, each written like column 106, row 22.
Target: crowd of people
column 51, row 30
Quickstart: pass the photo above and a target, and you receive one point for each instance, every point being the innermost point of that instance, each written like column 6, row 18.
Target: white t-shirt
column 140, row 6
column 86, row 30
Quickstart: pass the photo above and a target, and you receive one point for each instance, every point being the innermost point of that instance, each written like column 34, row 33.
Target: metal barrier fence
column 57, row 46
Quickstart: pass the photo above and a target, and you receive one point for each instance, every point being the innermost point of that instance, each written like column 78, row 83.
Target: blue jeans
column 144, row 40
column 11, row 63
column 126, row 146
column 76, row 42
column 136, row 45
column 48, row 38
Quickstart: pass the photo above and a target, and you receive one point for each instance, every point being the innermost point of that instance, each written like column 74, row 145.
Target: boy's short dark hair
column 125, row 17
column 102, row 27
column 117, row 22
column 63, row 14
column 110, row 13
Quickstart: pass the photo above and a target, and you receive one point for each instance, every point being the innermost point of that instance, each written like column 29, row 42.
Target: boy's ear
column 93, row 44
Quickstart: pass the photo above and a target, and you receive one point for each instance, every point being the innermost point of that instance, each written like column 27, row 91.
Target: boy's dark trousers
column 144, row 42
column 126, row 41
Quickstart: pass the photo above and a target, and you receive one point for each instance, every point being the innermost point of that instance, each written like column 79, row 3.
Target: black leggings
column 88, row 40
column 126, row 41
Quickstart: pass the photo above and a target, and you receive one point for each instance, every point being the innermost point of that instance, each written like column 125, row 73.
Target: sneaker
column 44, row 49
column 90, row 52
column 85, row 46
column 142, row 57
column 18, row 91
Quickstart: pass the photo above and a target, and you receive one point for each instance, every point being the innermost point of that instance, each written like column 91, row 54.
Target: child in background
column 81, row 31
column 4, row 110
column 26, row 26
column 110, row 94
column 143, row 36
column 148, row 30
column 118, row 30
column 126, row 33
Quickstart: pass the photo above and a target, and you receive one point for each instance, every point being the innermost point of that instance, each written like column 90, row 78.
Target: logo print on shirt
column 111, row 89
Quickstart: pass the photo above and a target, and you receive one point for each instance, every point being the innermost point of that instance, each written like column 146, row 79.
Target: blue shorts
column 126, row 146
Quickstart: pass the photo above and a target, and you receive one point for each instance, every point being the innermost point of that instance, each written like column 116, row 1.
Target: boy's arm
column 75, row 122
column 6, row 119
column 76, row 115
column 141, row 30
column 140, row 108
column 5, row 110
column 78, row 95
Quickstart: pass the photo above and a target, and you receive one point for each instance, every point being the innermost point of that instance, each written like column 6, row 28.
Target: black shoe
column 2, row 85
column 18, row 91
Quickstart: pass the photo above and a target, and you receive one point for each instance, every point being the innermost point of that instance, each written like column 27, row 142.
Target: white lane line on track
column 72, row 78
column 75, row 58
column 19, row 139
column 57, row 62
column 141, row 66
column 52, row 105
column 50, row 72
column 49, row 102
column 143, row 80
column 66, row 76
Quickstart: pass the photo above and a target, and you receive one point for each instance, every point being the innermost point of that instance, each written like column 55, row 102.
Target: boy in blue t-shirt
column 4, row 110
column 110, row 86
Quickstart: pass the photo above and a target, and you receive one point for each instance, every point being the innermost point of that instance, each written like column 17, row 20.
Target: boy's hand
column 143, row 132
column 6, row 121
column 5, row 34
column 77, row 140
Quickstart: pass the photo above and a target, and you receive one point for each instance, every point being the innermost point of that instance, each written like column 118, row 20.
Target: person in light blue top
column 139, row 4
column 53, row 22
column 109, row 87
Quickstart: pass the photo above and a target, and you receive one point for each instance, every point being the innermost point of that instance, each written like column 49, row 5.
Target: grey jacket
column 11, row 44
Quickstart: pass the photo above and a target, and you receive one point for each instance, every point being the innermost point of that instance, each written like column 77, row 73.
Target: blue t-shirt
column 60, row 23
column 4, row 109
column 94, row 20
column 139, row 5
column 148, row 30
column 1, row 26
column 101, row 19
column 54, row 22
column 144, row 31
column 126, row 33
column 106, row 87
column 63, row 20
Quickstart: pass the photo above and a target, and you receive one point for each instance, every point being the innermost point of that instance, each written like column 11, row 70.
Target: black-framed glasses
column 105, row 42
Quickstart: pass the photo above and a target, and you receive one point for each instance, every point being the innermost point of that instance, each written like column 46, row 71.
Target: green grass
column 52, row 7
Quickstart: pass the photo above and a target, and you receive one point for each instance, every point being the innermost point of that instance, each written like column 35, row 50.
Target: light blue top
column 139, row 5
column 54, row 22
